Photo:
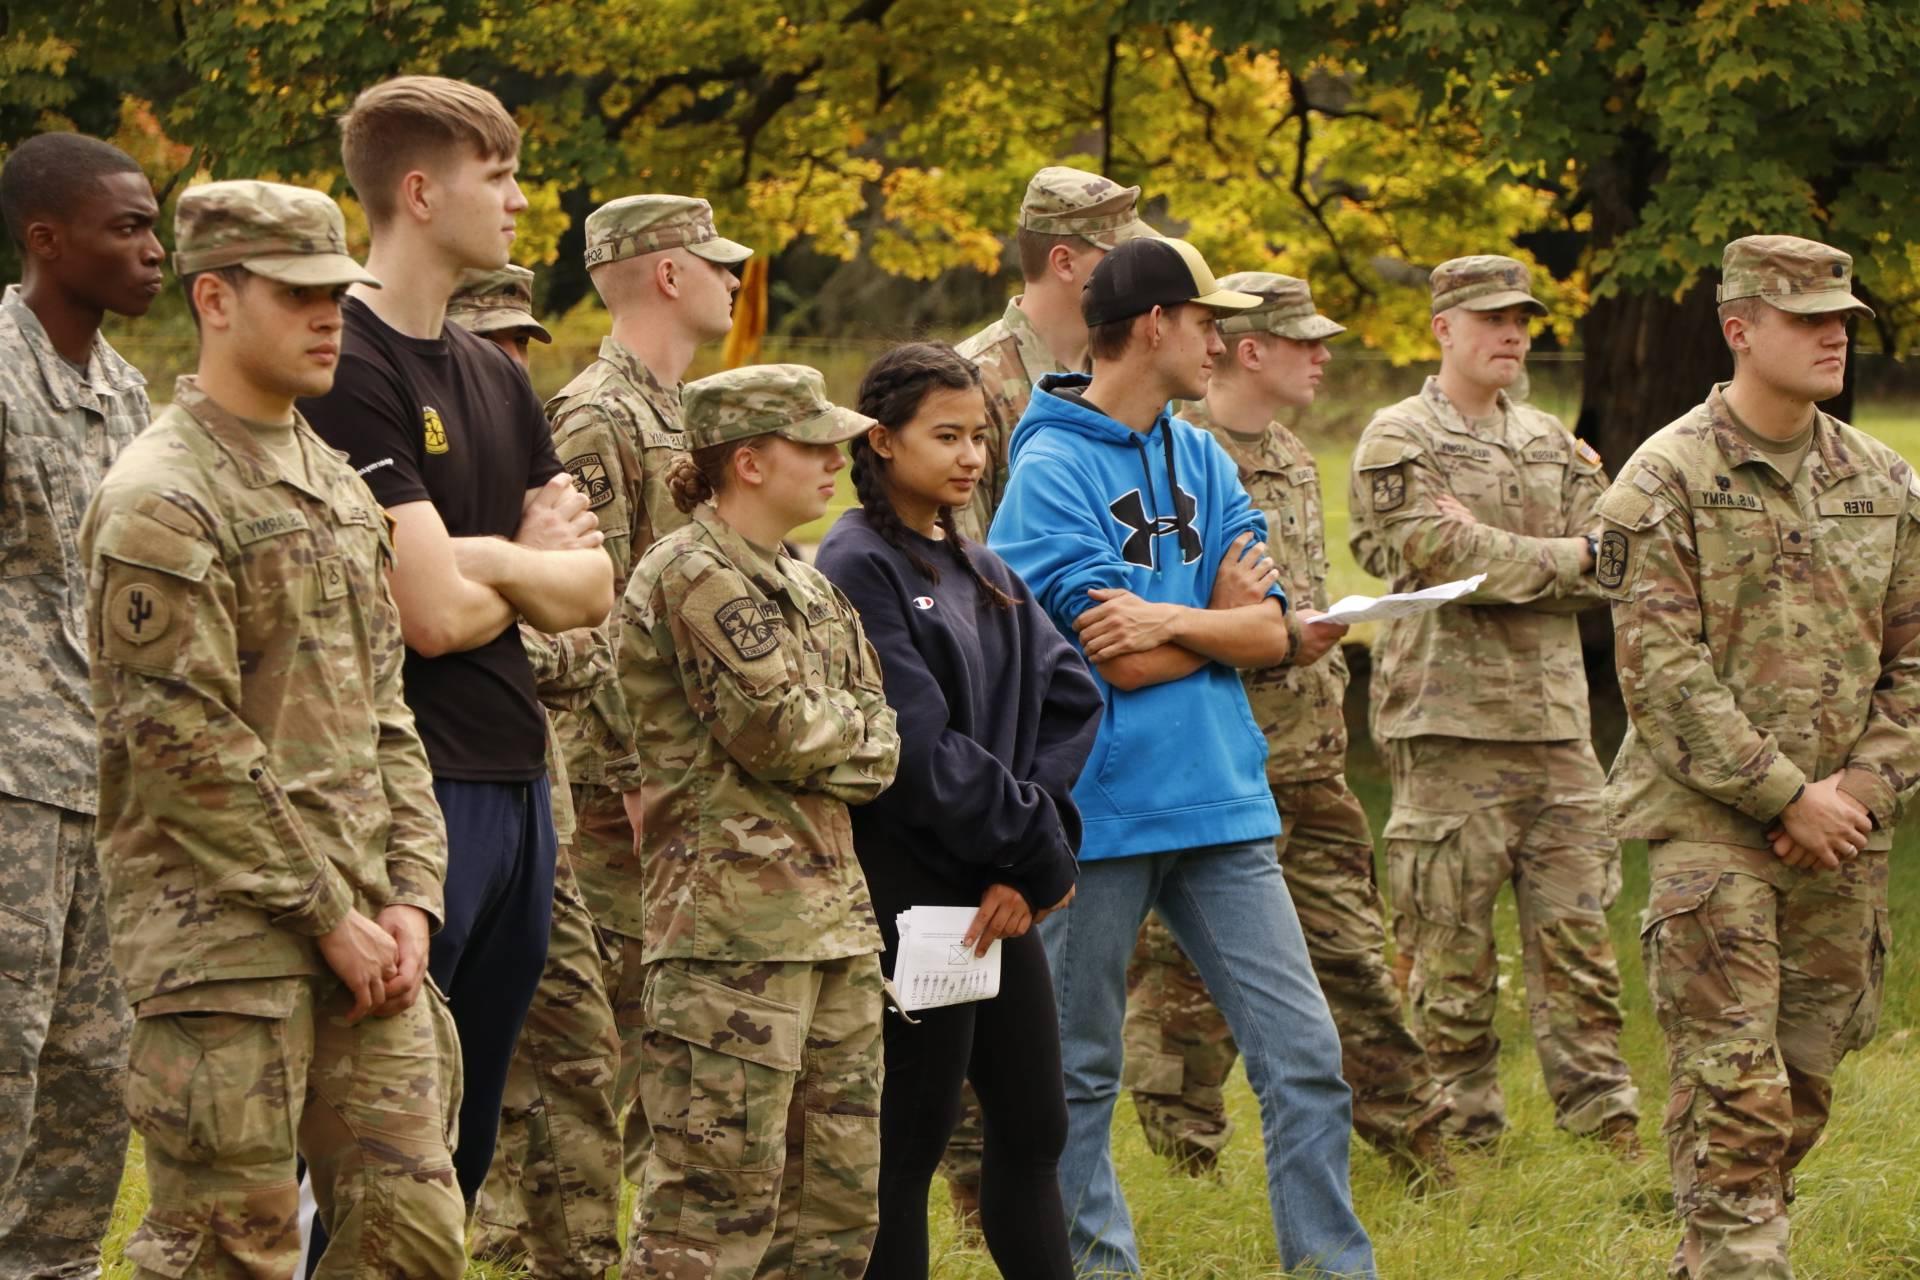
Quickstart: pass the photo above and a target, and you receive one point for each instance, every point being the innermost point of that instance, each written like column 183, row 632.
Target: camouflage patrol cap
column 1286, row 308
column 785, row 399
column 633, row 225
column 1804, row 277
column 490, row 301
column 1073, row 202
column 1483, row 282
column 290, row 234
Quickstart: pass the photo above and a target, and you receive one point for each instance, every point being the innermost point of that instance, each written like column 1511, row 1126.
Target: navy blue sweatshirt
column 997, row 714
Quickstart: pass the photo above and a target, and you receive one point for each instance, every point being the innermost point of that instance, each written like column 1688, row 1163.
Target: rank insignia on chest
column 1389, row 489
column 435, row 430
column 749, row 627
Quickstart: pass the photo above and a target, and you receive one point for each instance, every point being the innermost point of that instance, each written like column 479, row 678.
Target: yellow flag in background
column 749, row 315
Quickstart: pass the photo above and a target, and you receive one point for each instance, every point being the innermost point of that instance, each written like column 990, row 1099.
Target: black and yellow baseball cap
column 1142, row 274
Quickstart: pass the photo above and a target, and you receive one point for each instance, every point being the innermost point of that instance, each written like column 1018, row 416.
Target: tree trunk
column 1648, row 359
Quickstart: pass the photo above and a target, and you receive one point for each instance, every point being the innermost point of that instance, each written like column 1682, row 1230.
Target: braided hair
column 696, row 477
column 892, row 391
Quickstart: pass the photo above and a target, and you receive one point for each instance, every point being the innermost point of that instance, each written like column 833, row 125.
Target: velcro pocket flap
column 689, row 1006
column 1626, row 506
column 1384, row 451
column 1410, row 823
column 136, row 538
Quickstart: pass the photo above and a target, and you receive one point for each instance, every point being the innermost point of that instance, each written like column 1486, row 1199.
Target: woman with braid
column 997, row 713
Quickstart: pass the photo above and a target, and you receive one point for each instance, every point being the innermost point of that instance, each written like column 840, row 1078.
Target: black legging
column 1009, row 1047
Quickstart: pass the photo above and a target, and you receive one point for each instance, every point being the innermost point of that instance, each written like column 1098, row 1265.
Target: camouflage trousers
column 1763, row 978
column 228, row 1081
column 63, row 1046
column 553, row 1192
column 762, row 1083
column 1468, row 818
column 1178, row 1049
column 609, row 872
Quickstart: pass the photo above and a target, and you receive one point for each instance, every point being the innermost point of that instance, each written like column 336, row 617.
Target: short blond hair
column 398, row 125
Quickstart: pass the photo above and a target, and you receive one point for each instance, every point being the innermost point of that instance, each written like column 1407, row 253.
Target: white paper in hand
column 1405, row 604
column 932, row 968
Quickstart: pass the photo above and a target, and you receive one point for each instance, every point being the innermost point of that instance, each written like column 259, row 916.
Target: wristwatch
column 1593, row 549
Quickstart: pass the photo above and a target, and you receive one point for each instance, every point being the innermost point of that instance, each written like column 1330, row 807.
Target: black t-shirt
column 453, row 421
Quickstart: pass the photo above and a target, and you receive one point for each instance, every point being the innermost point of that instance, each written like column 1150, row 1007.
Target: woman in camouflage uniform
column 758, row 716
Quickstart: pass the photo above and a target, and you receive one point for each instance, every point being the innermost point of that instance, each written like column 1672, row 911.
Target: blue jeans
column 1228, row 907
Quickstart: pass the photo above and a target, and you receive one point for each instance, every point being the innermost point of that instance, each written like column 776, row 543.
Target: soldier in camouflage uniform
column 1482, row 709
column 1179, row 1050
column 1069, row 220
column 552, row 1194
column 269, row 839
column 757, row 708
column 81, row 215
column 1763, row 560
column 666, row 277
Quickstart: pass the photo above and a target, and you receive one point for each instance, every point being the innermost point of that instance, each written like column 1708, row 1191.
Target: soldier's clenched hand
column 407, row 926
column 1823, row 827
column 556, row 518
column 363, row 956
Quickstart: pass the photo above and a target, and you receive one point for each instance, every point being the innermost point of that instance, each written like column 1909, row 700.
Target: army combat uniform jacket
column 1300, row 710
column 1762, row 628
column 60, row 429
column 759, row 713
column 1011, row 359
column 1504, row 664
column 260, row 773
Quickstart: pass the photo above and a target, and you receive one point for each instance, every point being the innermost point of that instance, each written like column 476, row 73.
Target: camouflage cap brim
column 495, row 319
column 836, row 426
column 1813, row 304
column 1117, row 236
column 1500, row 301
column 1306, row 328
column 721, row 250
column 311, row 270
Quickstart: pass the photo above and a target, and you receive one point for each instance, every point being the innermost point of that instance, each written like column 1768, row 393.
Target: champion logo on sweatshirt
column 923, row 603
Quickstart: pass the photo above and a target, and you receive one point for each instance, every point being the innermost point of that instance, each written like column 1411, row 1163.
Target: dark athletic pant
column 488, row 954
column 1009, row 1047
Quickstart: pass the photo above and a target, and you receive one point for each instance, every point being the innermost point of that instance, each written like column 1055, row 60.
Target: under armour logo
column 1130, row 511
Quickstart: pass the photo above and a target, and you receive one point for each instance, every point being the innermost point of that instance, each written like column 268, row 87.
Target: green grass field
column 1542, row 1204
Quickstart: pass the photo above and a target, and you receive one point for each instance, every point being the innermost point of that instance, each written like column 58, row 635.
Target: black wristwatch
column 1593, row 550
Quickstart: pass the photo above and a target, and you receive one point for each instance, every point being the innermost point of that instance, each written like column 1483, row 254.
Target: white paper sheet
column 932, row 968
column 1405, row 604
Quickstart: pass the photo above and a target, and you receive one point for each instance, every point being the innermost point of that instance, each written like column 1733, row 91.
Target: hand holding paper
column 1405, row 604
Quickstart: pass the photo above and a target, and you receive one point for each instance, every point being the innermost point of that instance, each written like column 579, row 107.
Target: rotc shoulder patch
column 590, row 477
column 1610, row 565
column 1389, row 488
column 139, row 614
column 747, row 625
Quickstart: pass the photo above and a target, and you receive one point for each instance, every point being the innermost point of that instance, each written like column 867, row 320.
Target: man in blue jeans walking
column 1132, row 530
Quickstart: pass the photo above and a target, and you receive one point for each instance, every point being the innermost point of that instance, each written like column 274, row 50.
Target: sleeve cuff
column 1050, row 883
column 1566, row 564
column 623, row 773
column 1774, row 790
column 1296, row 637
column 328, row 905
column 1871, row 790
column 417, row 884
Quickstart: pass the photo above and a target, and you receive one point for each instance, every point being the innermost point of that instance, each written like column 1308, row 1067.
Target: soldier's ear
column 44, row 239
column 1442, row 326
column 1060, row 261
column 665, row 273
column 1248, row 352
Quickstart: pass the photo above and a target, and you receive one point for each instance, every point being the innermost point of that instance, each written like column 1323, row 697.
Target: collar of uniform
column 256, row 467
column 664, row 403
column 107, row 374
column 749, row 559
column 1829, row 458
column 1034, row 356
column 1449, row 416
column 1262, row 452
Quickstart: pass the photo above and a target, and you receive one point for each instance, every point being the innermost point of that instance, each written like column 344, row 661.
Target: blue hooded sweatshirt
column 1092, row 503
